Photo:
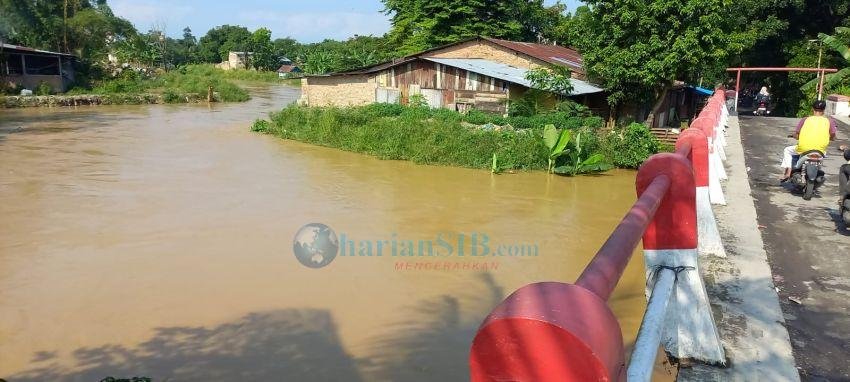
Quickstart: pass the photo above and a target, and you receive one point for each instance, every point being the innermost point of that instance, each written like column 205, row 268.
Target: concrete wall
column 31, row 81
column 353, row 90
column 490, row 51
column 485, row 50
column 837, row 105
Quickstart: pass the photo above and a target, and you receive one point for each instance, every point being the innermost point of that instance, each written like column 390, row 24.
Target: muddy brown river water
column 158, row 241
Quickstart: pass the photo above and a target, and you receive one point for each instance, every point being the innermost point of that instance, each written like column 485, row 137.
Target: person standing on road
column 813, row 133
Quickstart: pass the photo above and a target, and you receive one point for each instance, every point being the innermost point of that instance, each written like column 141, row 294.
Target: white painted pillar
column 715, row 190
column 710, row 242
column 689, row 328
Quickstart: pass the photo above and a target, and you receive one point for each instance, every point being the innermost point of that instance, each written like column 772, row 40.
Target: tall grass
column 446, row 137
column 175, row 84
column 197, row 79
column 412, row 133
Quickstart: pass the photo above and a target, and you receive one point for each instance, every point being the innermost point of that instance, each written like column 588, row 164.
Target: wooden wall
column 458, row 85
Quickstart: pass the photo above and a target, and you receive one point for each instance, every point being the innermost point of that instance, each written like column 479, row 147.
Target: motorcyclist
column 763, row 95
column 813, row 133
column 844, row 175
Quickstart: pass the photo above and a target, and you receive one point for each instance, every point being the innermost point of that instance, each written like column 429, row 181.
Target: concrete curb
column 741, row 290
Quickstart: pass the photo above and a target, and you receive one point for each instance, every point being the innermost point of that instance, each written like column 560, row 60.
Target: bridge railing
column 553, row 331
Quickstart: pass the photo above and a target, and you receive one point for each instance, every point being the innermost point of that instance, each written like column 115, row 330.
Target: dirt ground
column 807, row 247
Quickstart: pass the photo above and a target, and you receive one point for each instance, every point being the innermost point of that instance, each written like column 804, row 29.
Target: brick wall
column 486, row 50
column 494, row 52
column 354, row 90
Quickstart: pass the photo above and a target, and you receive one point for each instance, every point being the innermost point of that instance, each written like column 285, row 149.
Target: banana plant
column 498, row 168
column 578, row 165
column 557, row 141
column 840, row 46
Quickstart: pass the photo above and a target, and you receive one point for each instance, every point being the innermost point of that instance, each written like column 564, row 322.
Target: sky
column 305, row 20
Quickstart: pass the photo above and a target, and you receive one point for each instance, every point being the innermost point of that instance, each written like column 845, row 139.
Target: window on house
column 471, row 81
column 42, row 65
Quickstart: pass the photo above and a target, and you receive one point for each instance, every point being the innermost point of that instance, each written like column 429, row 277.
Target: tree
column 555, row 79
column 638, row 48
column 188, row 40
column 261, row 44
column 215, row 45
column 321, row 61
column 286, row 47
column 81, row 27
column 422, row 24
column 92, row 29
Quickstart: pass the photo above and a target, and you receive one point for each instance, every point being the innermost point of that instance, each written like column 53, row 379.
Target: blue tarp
column 701, row 90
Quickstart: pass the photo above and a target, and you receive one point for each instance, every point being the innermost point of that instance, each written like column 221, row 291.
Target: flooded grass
column 422, row 135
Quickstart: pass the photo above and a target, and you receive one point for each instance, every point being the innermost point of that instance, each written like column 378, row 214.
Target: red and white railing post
column 693, row 144
column 716, row 171
column 670, row 243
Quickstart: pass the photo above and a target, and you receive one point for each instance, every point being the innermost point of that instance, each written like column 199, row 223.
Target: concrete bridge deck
column 780, row 299
column 808, row 249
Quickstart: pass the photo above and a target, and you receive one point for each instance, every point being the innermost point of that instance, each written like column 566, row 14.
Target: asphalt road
column 808, row 248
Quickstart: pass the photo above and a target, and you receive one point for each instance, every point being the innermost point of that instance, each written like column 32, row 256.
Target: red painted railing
column 553, row 331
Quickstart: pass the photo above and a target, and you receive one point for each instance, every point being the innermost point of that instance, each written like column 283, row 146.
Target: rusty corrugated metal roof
column 508, row 73
column 30, row 50
column 553, row 54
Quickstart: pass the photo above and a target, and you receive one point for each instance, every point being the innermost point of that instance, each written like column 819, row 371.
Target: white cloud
column 316, row 26
column 146, row 14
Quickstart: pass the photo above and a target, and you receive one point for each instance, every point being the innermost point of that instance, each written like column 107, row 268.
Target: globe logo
column 315, row 245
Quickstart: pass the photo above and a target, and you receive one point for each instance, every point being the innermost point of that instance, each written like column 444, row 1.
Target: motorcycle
column 762, row 110
column 807, row 174
column 844, row 188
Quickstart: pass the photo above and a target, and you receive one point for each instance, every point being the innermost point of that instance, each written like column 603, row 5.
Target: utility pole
column 821, row 74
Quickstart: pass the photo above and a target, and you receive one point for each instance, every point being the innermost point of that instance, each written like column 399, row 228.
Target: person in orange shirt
column 813, row 134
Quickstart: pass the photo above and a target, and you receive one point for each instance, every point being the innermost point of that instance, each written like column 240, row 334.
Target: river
column 157, row 241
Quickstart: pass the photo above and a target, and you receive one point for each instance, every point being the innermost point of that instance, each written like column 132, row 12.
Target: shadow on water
column 289, row 344
column 292, row 345
column 434, row 346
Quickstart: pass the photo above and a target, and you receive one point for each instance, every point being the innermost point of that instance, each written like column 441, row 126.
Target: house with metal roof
column 28, row 67
column 480, row 73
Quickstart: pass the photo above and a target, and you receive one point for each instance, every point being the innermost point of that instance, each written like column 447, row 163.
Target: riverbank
column 474, row 139
column 97, row 99
column 187, row 84
column 741, row 288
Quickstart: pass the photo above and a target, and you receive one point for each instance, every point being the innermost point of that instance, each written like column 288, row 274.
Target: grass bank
column 445, row 137
column 188, row 83
column 175, row 86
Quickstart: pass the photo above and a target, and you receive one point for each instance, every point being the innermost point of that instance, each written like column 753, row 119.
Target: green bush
column 173, row 85
column 171, row 96
column 477, row 117
column 629, row 147
column 261, row 125
column 43, row 89
column 432, row 136
column 377, row 110
column 416, row 134
column 198, row 78
column 129, row 81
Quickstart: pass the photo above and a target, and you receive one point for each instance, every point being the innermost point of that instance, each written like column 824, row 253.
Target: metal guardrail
column 554, row 331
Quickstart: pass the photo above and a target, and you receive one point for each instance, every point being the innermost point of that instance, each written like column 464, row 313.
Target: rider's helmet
column 847, row 154
column 819, row 105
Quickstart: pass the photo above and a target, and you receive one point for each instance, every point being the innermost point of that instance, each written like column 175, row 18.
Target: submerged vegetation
column 474, row 139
